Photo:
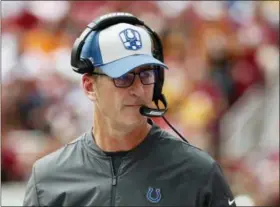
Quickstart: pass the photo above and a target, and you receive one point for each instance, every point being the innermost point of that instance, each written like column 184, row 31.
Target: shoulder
column 59, row 160
column 179, row 150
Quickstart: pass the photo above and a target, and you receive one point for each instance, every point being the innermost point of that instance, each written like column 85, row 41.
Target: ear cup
column 86, row 65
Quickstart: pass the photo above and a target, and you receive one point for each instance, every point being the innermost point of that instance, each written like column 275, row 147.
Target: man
column 125, row 159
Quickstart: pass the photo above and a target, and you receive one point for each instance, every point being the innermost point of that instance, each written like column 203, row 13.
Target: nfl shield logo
column 131, row 39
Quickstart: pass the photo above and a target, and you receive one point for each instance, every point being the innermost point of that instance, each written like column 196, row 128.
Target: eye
column 147, row 73
column 122, row 77
column 125, row 79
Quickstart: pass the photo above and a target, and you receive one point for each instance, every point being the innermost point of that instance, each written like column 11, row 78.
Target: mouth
column 132, row 105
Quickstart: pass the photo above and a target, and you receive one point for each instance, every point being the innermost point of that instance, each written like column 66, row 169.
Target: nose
column 137, row 87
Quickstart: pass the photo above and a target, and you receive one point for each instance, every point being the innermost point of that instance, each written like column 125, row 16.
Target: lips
column 134, row 105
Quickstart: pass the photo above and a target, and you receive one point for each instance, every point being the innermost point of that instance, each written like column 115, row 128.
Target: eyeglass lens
column 147, row 77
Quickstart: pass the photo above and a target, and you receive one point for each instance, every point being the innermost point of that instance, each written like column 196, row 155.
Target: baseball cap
column 119, row 49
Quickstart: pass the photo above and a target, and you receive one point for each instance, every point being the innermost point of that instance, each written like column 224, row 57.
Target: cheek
column 110, row 100
column 149, row 92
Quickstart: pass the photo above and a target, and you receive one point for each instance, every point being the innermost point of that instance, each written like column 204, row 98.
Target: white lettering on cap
column 155, row 113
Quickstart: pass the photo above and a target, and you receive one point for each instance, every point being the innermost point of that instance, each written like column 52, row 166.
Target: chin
column 135, row 118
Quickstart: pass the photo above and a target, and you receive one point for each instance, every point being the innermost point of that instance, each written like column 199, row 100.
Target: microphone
column 151, row 112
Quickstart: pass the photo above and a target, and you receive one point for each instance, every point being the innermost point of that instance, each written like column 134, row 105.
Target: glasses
column 147, row 77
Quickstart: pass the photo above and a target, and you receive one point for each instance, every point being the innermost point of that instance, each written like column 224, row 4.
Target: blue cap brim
column 122, row 66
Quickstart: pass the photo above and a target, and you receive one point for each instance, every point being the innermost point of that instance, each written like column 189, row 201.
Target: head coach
column 125, row 159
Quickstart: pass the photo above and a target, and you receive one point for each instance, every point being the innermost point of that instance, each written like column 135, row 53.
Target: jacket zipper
column 114, row 185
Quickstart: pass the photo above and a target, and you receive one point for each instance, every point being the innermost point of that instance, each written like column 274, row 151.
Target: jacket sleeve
column 30, row 197
column 216, row 192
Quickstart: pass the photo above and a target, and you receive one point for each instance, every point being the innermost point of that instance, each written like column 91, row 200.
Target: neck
column 114, row 137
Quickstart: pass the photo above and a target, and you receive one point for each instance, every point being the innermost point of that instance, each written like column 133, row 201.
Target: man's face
column 121, row 105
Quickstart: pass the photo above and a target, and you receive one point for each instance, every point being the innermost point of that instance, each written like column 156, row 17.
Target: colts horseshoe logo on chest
column 153, row 195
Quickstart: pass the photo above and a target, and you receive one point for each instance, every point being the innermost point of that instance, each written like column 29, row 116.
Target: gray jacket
column 161, row 171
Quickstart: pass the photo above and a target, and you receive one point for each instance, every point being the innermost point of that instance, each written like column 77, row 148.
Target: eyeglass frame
column 134, row 73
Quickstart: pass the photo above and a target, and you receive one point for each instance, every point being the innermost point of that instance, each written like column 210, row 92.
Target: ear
column 88, row 83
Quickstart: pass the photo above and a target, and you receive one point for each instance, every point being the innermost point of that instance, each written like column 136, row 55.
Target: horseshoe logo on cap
column 131, row 39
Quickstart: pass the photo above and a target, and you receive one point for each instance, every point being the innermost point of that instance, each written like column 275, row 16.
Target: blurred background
column 222, row 86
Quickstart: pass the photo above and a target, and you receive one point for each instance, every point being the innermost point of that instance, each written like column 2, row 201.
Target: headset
column 85, row 65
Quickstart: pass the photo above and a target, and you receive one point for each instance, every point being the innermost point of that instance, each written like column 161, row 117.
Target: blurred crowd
column 222, row 86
